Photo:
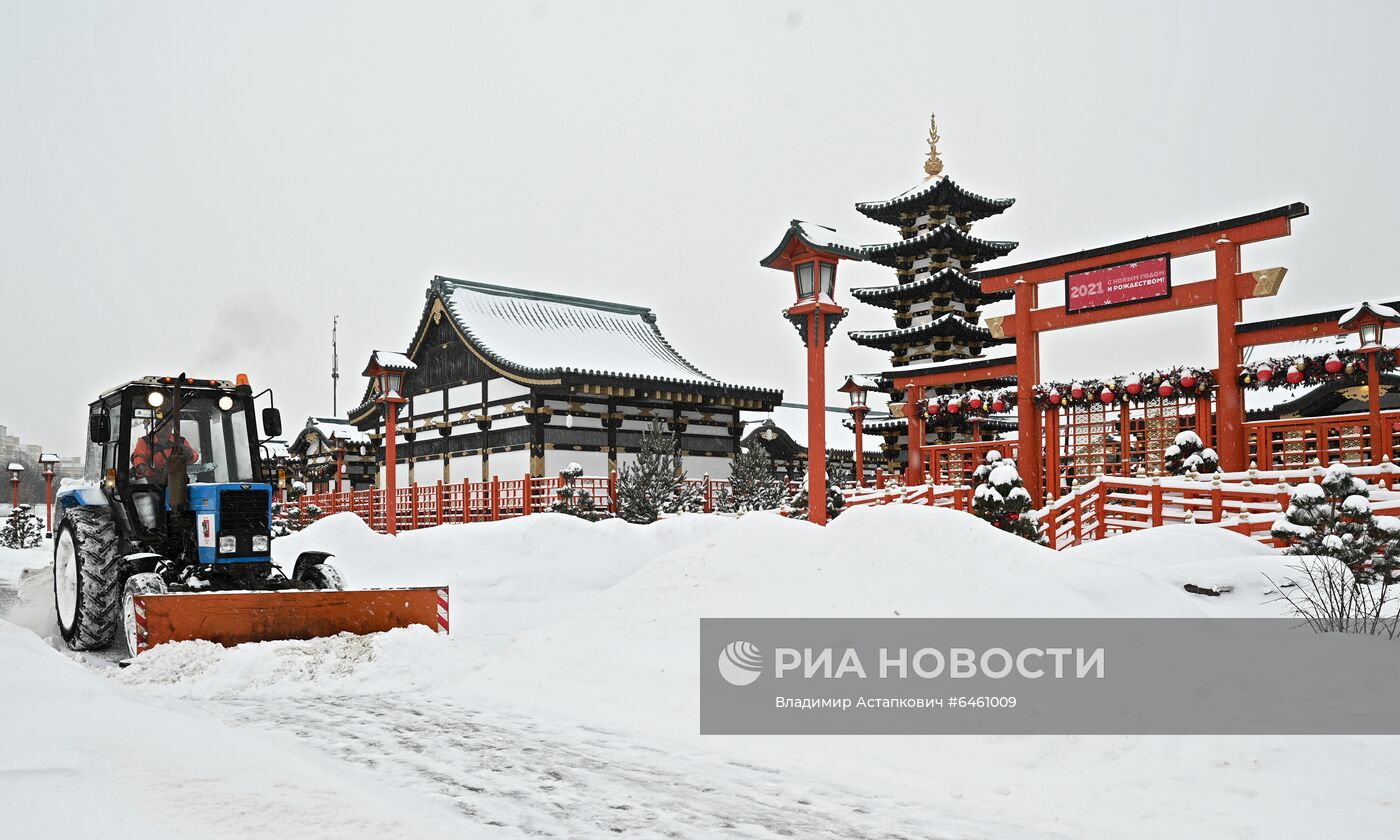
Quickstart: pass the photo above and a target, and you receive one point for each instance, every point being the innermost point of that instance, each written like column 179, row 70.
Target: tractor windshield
column 216, row 442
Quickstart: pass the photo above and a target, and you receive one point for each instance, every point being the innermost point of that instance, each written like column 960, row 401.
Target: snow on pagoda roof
column 792, row 419
column 950, row 325
column 15, row 467
column 541, row 333
column 934, row 191
column 947, row 236
column 948, row 279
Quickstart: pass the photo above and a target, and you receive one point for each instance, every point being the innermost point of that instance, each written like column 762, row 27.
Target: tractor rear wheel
column 325, row 576
column 146, row 583
column 85, row 573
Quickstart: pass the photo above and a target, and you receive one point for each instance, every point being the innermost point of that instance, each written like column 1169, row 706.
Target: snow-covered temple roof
column 945, row 281
column 950, row 325
column 947, row 237
column 939, row 191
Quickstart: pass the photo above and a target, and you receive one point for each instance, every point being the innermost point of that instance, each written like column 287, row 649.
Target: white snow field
column 565, row 702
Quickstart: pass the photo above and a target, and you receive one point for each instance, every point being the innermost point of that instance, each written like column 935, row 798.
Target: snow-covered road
column 565, row 781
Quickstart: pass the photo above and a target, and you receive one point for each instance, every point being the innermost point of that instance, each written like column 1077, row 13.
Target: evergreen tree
column 1001, row 498
column 1334, row 519
column 754, row 484
column 647, row 486
column 575, row 500
column 1187, row 452
column 795, row 506
column 22, row 529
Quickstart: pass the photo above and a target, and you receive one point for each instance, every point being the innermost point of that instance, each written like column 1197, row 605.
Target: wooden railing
column 426, row 505
column 1294, row 443
column 951, row 462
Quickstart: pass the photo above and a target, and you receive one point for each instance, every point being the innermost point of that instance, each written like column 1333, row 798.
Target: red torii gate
column 1224, row 291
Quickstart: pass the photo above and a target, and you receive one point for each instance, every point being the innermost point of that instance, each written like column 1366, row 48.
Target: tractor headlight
column 260, row 543
column 228, row 545
column 226, row 402
column 155, row 399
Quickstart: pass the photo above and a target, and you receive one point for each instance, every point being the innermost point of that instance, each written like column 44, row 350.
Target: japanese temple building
column 936, row 300
column 504, row 381
column 326, row 443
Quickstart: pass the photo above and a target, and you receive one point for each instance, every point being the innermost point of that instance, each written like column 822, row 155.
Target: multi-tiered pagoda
column 937, row 306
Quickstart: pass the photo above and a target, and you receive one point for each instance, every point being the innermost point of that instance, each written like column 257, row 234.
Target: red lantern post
column 1370, row 320
column 858, row 409
column 811, row 253
column 388, row 370
column 15, row 469
column 48, row 459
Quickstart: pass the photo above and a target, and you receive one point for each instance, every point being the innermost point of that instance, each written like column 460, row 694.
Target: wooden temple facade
column 510, row 382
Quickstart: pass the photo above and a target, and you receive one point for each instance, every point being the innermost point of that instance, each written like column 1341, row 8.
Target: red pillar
column 1229, row 398
column 816, row 418
column 914, row 470
column 48, row 502
column 858, row 415
column 14, row 492
column 339, row 469
column 1380, row 436
column 1027, row 375
column 391, row 440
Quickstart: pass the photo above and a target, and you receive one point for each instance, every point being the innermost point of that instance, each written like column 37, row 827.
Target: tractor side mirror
column 271, row 422
column 99, row 427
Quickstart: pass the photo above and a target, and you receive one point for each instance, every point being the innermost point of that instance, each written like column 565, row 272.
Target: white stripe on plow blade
column 442, row 610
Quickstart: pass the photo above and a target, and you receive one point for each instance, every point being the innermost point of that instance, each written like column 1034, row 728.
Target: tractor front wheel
column 85, row 571
column 133, row 622
column 325, row 576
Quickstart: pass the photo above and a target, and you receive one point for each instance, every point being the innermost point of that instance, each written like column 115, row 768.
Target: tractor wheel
column 85, row 579
column 324, row 576
column 146, row 583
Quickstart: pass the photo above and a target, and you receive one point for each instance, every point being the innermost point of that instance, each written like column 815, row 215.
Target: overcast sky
column 199, row 186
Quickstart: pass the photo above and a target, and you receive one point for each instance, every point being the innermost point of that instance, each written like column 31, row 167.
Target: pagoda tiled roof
column 950, row 325
column 948, row 279
column 948, row 237
column 935, row 192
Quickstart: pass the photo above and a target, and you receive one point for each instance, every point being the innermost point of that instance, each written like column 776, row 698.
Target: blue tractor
column 175, row 501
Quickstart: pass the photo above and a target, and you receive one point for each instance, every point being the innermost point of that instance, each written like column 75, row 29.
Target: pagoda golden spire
column 934, row 165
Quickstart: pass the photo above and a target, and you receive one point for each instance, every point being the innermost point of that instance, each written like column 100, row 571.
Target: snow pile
column 84, row 757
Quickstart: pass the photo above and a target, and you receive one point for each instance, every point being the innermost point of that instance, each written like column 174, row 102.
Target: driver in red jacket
column 150, row 459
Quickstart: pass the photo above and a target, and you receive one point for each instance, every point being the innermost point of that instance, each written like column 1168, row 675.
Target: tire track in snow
column 574, row 782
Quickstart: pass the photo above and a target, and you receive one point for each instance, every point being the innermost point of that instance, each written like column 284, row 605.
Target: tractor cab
column 178, row 462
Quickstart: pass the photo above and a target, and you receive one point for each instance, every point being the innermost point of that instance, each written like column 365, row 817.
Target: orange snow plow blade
column 231, row 618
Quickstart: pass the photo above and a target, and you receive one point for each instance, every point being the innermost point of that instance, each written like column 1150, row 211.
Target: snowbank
column 84, row 757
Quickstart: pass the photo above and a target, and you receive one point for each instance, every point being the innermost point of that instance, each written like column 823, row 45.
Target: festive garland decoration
column 1294, row 371
column 1176, row 383
column 972, row 405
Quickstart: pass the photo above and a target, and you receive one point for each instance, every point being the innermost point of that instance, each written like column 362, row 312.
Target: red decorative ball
column 1077, row 392
column 1333, row 365
column 974, row 403
column 954, row 408
column 934, row 408
column 998, row 405
column 1264, row 373
column 1296, row 376
column 1134, row 388
column 1055, row 398
column 1107, row 395
column 1013, row 516
column 1188, row 380
column 1166, row 390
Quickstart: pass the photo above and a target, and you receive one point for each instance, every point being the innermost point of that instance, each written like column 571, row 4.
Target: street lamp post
column 48, row 459
column 16, row 469
column 1369, row 320
column 811, row 253
column 339, row 465
column 388, row 370
column 858, row 409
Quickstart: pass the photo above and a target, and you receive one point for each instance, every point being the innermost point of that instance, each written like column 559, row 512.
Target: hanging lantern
column 1295, row 376
column 1332, row 365
column 954, row 407
column 1188, row 380
column 934, row 408
column 1264, row 373
column 974, row 402
column 1076, row 391
column 1165, row 389
column 1107, row 395
column 1134, row 387
column 1055, row 398
column 998, row 405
